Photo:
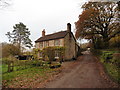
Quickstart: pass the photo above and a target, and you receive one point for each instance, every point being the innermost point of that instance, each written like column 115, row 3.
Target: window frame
column 41, row 44
column 46, row 44
column 56, row 54
column 40, row 54
column 57, row 42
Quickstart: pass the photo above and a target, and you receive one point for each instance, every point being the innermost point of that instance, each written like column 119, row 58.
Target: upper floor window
column 41, row 44
column 46, row 44
column 57, row 42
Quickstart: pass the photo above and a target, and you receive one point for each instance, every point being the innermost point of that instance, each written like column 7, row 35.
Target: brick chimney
column 69, row 27
column 43, row 33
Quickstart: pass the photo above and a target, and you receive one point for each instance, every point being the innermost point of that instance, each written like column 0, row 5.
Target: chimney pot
column 43, row 33
column 69, row 27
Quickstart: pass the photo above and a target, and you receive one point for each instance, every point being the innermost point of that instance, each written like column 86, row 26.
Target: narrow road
column 85, row 73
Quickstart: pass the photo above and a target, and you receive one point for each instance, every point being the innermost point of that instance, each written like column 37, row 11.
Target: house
column 63, row 39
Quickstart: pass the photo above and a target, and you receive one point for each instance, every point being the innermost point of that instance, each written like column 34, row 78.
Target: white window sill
column 56, row 57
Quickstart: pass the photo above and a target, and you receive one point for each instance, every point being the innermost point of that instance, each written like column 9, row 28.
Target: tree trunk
column 105, row 41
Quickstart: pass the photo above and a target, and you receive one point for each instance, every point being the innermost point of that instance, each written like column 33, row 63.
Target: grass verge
column 27, row 78
column 113, row 71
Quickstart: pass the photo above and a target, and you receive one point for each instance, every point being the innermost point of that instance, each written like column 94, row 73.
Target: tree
column 9, row 49
column 98, row 20
column 20, row 36
column 115, row 42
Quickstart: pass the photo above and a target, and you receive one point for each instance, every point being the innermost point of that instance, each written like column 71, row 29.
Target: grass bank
column 112, row 70
column 111, row 65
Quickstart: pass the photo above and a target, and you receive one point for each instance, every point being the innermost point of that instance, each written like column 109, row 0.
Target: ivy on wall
column 49, row 52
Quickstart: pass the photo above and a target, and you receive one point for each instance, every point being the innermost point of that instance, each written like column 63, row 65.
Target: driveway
column 85, row 72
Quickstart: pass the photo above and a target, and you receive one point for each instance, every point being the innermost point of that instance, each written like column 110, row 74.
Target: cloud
column 52, row 15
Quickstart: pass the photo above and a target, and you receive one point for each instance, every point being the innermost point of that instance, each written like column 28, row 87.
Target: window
column 46, row 44
column 37, row 45
column 57, row 42
column 56, row 55
column 41, row 45
column 41, row 55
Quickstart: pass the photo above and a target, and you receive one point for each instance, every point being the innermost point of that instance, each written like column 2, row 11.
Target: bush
column 116, row 58
column 111, row 57
column 38, row 63
column 107, row 55
column 9, row 49
column 55, row 65
column 50, row 52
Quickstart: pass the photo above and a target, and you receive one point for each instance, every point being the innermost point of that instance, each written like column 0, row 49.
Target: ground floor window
column 41, row 54
column 56, row 54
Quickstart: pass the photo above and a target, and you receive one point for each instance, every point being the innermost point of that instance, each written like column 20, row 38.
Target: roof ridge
column 52, row 36
column 55, row 33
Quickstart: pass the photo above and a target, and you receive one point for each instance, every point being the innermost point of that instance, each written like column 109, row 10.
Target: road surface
column 85, row 72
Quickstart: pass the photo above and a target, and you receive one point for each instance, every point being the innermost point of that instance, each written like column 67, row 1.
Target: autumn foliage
column 82, row 25
column 98, row 21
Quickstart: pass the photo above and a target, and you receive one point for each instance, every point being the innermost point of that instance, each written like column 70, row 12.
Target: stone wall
column 70, row 50
column 51, row 43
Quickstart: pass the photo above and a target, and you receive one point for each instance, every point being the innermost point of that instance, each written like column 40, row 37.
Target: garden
column 26, row 73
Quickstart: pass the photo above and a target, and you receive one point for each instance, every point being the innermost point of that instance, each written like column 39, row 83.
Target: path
column 86, row 72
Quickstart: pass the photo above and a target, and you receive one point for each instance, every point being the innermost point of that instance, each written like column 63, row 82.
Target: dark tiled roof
column 53, row 36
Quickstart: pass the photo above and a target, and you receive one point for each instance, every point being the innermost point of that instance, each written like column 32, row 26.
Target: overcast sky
column 51, row 15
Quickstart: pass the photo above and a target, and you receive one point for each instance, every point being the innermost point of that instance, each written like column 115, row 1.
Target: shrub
column 116, row 58
column 107, row 56
column 61, row 51
column 38, row 63
column 55, row 65
column 50, row 52
column 35, row 53
column 9, row 49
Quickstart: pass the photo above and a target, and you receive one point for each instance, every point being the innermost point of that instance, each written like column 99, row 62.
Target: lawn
column 27, row 74
column 16, row 68
column 4, row 68
column 28, row 78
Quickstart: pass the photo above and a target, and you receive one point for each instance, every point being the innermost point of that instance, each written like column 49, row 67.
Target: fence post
column 10, row 66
